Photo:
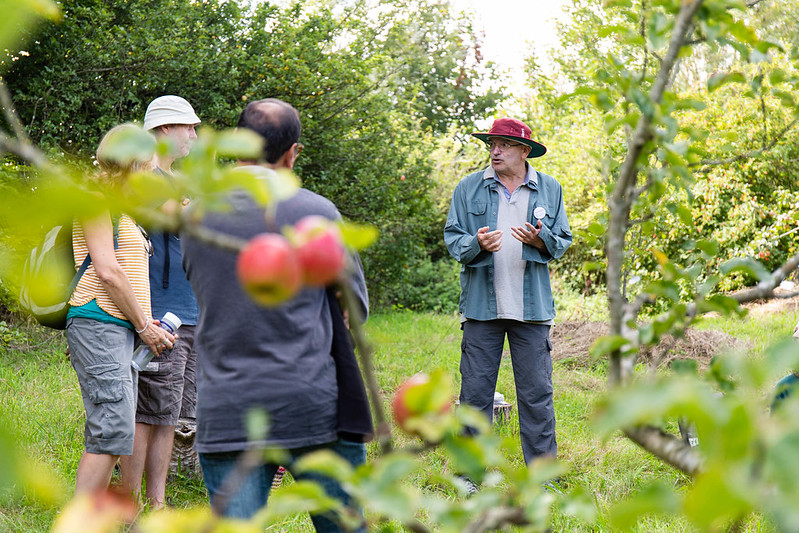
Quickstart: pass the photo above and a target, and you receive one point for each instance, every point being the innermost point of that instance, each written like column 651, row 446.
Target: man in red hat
column 505, row 224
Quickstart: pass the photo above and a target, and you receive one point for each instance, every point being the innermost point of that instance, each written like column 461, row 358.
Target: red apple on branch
column 269, row 270
column 320, row 250
column 420, row 405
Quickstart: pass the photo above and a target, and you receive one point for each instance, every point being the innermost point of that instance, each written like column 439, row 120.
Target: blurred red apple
column 320, row 250
column 417, row 397
column 269, row 270
column 102, row 510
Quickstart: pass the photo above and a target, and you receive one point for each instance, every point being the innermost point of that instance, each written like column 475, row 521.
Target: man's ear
column 288, row 158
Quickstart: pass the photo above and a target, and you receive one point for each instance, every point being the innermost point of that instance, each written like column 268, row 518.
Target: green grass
column 40, row 400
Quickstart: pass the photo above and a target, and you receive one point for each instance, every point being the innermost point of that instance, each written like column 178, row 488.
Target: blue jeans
column 254, row 490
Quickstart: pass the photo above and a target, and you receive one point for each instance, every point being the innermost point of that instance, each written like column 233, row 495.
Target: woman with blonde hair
column 110, row 305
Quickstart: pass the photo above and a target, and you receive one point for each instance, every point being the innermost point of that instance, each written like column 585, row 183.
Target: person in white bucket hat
column 167, row 393
column 173, row 117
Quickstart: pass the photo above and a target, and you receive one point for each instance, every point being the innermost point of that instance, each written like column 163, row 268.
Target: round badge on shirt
column 539, row 212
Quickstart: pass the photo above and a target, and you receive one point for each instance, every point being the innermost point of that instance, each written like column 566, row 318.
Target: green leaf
column 783, row 357
column 300, row 496
column 358, row 236
column 151, row 190
column 785, row 97
column 612, row 29
column 746, row 265
column 690, row 103
column 605, row 345
column 21, row 474
column 264, row 185
column 383, row 486
column 717, row 496
column 590, row 266
column 127, row 144
column 643, row 102
column 718, row 303
column 239, row 144
column 467, row 456
column 256, row 421
column 581, row 505
column 601, row 100
column 777, row 76
column 708, row 247
column 659, row 23
column 657, row 498
column 21, row 15
column 327, row 463
column 717, row 80
column 685, row 214
column 596, row 228
column 757, row 84
column 664, row 289
column 756, row 56
column 742, row 32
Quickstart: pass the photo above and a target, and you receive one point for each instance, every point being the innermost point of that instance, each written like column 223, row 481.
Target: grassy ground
column 40, row 402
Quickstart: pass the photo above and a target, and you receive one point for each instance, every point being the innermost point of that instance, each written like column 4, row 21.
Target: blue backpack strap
column 166, row 261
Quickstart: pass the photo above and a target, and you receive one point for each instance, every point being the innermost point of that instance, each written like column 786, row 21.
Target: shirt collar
column 531, row 179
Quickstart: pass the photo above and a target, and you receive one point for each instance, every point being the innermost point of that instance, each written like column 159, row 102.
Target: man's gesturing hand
column 490, row 241
column 529, row 235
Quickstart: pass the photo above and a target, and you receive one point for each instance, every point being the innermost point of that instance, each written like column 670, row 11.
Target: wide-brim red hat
column 511, row 128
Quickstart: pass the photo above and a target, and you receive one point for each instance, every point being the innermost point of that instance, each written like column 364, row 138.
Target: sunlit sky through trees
column 514, row 28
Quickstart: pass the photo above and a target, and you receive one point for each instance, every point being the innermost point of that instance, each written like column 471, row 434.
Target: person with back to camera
column 110, row 305
column 505, row 224
column 167, row 391
column 274, row 358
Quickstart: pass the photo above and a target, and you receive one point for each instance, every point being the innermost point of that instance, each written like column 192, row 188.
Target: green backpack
column 49, row 278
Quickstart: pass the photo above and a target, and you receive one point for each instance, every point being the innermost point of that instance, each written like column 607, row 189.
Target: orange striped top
column 131, row 255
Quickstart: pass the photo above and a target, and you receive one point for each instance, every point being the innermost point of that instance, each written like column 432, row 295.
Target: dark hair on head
column 274, row 120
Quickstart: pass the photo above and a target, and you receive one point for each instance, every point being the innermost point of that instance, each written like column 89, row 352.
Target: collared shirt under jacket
column 474, row 205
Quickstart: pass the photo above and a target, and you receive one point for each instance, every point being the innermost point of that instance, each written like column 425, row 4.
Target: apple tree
column 637, row 70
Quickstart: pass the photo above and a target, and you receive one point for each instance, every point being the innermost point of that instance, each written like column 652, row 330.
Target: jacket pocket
column 104, row 383
column 548, row 219
column 477, row 208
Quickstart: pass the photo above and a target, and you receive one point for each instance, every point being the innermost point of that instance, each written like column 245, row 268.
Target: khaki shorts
column 100, row 354
column 167, row 388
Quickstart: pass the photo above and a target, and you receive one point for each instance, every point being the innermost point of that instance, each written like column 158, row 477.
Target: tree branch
column 365, row 358
column 765, row 289
column 24, row 150
column 495, row 518
column 245, row 464
column 666, row 447
column 747, row 155
column 11, row 114
column 622, row 198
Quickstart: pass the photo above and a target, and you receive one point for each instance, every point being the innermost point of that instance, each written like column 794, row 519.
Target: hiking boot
column 467, row 484
column 552, row 487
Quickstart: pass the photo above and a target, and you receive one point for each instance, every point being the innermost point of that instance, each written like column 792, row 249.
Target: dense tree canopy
column 371, row 85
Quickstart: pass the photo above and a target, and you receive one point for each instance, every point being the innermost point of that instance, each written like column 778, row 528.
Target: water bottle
column 143, row 354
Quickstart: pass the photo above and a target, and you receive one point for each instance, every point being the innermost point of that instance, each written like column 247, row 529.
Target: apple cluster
column 272, row 267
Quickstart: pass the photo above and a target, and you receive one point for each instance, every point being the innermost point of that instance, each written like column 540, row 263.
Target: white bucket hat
column 169, row 109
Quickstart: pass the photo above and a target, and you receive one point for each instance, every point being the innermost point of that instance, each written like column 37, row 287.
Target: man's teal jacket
column 474, row 205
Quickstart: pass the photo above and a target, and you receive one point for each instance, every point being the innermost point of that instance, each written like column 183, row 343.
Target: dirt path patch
column 572, row 340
